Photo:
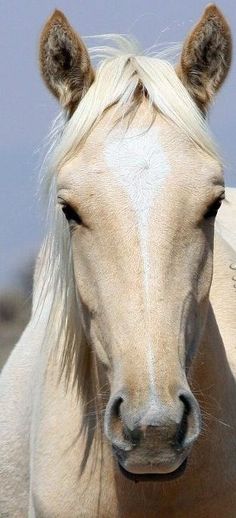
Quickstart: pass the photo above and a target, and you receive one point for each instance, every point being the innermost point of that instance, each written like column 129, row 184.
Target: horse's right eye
column 71, row 215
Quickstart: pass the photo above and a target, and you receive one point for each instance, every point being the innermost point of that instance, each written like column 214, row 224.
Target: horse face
column 140, row 203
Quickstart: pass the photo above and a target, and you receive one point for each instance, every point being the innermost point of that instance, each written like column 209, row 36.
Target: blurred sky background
column 27, row 109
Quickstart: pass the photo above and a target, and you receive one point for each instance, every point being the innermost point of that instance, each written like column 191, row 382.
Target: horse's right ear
column 64, row 62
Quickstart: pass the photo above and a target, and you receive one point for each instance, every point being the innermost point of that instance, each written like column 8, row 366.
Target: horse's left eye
column 213, row 208
column 71, row 215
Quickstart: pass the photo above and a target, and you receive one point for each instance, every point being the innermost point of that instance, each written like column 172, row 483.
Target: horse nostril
column 114, row 425
column 117, row 429
column 183, row 427
column 115, row 407
column 188, row 428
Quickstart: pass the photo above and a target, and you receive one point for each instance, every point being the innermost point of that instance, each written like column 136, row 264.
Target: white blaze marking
column 140, row 164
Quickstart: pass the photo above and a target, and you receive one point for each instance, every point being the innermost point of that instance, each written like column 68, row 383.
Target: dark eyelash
column 213, row 209
column 71, row 214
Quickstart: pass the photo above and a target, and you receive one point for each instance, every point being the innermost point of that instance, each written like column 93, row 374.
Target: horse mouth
column 151, row 477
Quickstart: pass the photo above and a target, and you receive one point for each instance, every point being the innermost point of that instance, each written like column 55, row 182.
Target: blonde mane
column 128, row 71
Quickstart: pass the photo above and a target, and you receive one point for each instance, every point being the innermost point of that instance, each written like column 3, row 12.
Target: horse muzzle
column 153, row 439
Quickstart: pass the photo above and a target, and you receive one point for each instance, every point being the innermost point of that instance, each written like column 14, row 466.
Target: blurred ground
column 15, row 308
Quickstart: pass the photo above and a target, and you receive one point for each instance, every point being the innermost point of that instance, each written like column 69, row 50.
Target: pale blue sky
column 27, row 109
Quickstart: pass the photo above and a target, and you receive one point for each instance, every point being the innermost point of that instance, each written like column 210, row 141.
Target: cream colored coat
column 42, row 452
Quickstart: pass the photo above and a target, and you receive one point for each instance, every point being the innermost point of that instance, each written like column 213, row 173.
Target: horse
column 119, row 400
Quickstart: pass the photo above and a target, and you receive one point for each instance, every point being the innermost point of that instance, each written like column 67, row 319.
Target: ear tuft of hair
column 64, row 62
column 206, row 57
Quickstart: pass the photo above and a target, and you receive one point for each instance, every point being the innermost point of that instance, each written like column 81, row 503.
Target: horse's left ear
column 206, row 57
column 64, row 62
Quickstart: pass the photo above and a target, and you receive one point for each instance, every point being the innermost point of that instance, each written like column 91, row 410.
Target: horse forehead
column 138, row 159
column 147, row 148
column 139, row 155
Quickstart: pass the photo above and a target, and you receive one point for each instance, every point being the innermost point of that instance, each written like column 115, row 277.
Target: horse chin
column 152, row 473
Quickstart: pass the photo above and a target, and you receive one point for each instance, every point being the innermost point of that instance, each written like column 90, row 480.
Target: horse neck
column 214, row 385
column 211, row 373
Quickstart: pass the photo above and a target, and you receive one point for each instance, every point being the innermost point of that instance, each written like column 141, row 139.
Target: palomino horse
column 97, row 417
